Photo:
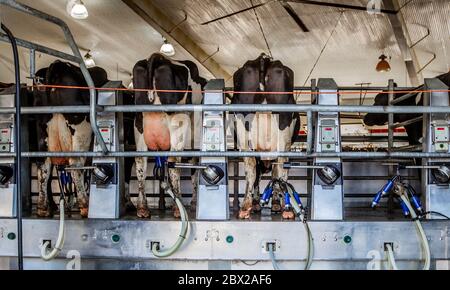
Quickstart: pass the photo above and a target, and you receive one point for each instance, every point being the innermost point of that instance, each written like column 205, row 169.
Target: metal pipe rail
column 43, row 49
column 235, row 108
column 77, row 57
column 407, row 96
column 406, row 123
column 232, row 154
column 349, row 88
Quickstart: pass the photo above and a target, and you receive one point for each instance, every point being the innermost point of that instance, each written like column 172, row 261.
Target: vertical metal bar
column 18, row 149
column 310, row 118
column 391, row 117
column 236, row 188
column 92, row 92
column 32, row 63
column 310, row 133
column 390, row 203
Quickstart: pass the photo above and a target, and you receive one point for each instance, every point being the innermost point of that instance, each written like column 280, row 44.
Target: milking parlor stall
column 225, row 134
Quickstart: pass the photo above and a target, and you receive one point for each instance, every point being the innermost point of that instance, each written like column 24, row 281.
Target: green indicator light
column 12, row 236
column 230, row 239
column 347, row 239
column 115, row 238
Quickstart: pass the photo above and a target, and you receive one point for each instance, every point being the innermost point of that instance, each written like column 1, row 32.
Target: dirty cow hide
column 164, row 131
column 63, row 132
column 264, row 131
column 414, row 131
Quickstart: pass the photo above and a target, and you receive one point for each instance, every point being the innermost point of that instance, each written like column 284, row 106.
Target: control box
column 328, row 135
column 441, row 138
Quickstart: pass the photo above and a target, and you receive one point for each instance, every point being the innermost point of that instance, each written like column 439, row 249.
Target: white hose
column 391, row 258
column 310, row 243
column 272, row 258
column 423, row 237
column 184, row 226
column 49, row 255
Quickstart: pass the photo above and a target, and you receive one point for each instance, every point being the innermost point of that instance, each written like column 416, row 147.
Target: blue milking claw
column 377, row 199
column 389, row 185
column 297, row 199
column 266, row 195
column 416, row 203
column 404, row 208
column 287, row 201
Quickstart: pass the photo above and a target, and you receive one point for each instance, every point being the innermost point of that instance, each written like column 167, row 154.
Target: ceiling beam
column 403, row 38
column 161, row 23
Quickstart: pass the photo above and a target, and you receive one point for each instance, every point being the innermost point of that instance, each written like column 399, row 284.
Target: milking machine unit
column 436, row 179
column 327, row 194
column 107, row 184
column 213, row 201
column 8, row 190
column 8, row 194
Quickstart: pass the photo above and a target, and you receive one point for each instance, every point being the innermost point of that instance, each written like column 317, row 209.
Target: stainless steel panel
column 208, row 240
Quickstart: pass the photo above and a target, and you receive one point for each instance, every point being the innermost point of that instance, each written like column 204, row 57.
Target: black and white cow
column 164, row 131
column 63, row 132
column 264, row 131
column 5, row 85
column 414, row 131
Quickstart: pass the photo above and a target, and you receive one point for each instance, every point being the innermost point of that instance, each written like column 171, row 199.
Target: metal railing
column 74, row 58
column 309, row 109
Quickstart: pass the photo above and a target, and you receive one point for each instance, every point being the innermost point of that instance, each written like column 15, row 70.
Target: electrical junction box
column 107, row 134
column 441, row 138
column 5, row 139
column 328, row 135
column 213, row 133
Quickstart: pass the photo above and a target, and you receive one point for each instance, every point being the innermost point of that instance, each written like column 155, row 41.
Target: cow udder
column 156, row 131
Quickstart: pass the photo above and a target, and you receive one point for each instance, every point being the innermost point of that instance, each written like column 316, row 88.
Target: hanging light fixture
column 77, row 9
column 167, row 48
column 89, row 60
column 383, row 65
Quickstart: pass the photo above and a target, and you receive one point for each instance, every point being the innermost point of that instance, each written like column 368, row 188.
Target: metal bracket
column 178, row 25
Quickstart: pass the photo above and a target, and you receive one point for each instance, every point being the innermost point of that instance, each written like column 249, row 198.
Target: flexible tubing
column 423, row 237
column 49, row 255
column 272, row 258
column 310, row 243
column 184, row 227
column 391, row 258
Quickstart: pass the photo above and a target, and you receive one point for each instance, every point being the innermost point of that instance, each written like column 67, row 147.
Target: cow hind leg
column 194, row 180
column 81, row 142
column 44, row 208
column 180, row 139
column 256, row 189
column 78, row 180
column 280, row 173
column 174, row 180
column 250, row 176
column 141, row 173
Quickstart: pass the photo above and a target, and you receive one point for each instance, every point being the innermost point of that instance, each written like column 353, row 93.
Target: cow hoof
column 176, row 213
column 84, row 211
column 143, row 213
column 276, row 206
column 244, row 214
column 256, row 207
column 288, row 215
column 44, row 213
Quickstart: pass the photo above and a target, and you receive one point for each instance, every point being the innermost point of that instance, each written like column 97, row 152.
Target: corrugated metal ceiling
column 351, row 53
column 119, row 37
